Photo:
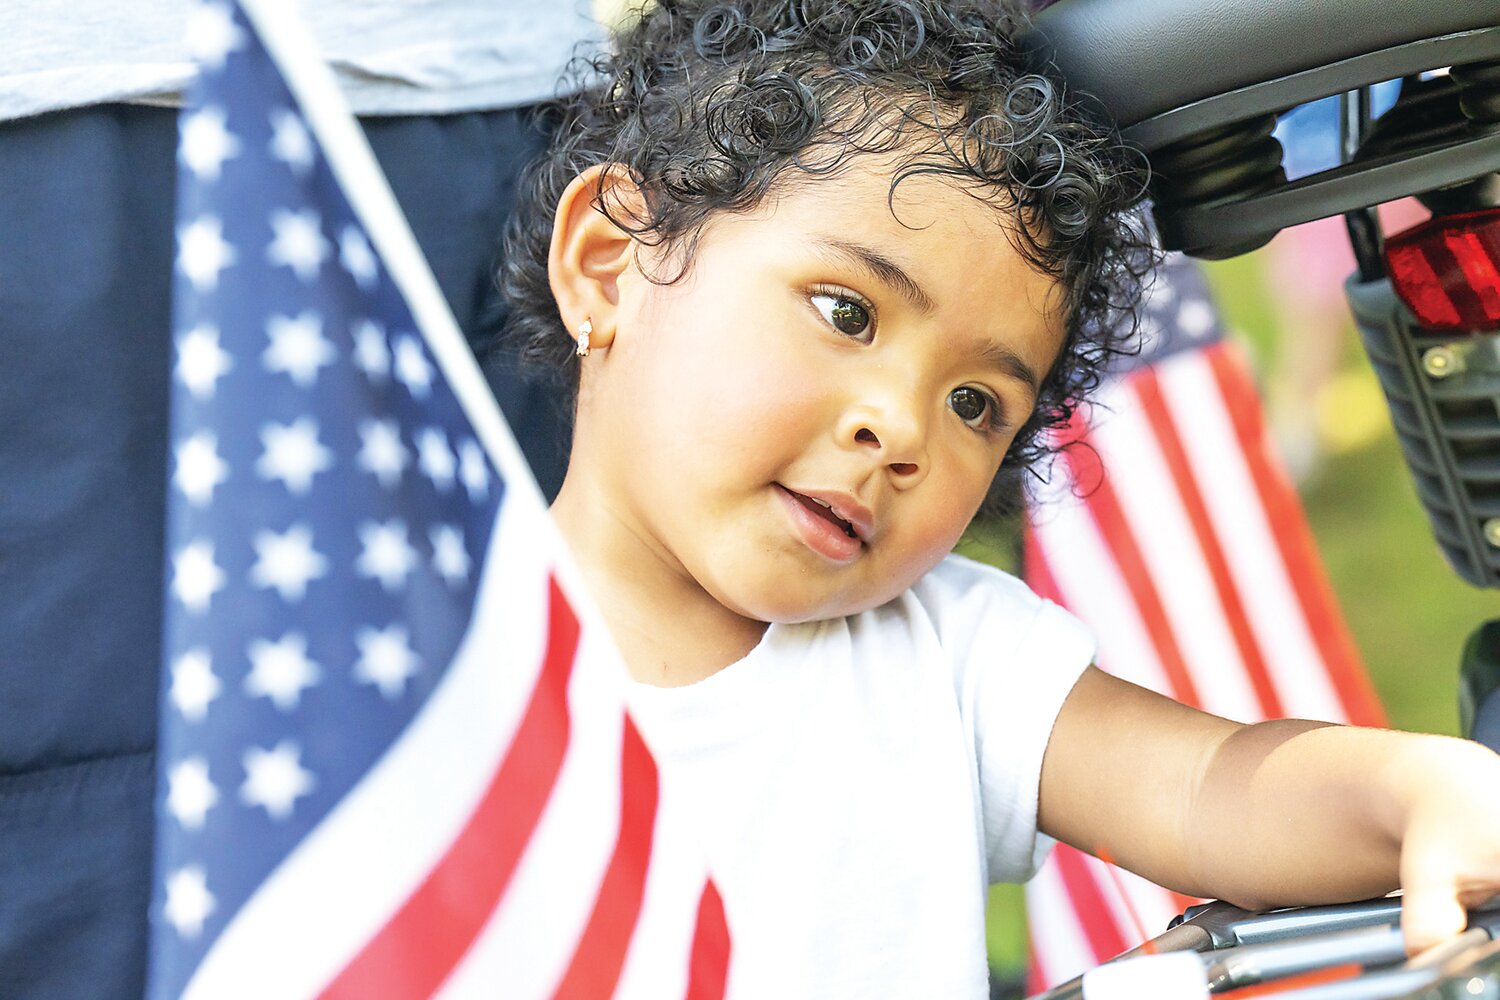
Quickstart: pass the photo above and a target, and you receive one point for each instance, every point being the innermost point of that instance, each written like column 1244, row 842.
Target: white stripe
column 1280, row 625
column 1159, row 522
column 1090, row 586
column 341, row 884
column 1062, row 950
column 660, row 954
column 528, row 942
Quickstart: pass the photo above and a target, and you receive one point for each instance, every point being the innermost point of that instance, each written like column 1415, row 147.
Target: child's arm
column 1274, row 814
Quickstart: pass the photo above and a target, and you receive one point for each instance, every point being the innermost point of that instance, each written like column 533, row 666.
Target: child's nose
column 892, row 434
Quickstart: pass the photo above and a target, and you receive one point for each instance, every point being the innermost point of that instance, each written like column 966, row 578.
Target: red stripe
column 1038, row 979
column 1094, row 915
column 1294, row 541
column 1111, row 871
column 1091, row 482
column 420, row 945
column 1154, row 408
column 708, row 973
column 594, row 970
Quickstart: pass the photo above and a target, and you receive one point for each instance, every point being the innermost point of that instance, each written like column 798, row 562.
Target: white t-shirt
column 859, row 782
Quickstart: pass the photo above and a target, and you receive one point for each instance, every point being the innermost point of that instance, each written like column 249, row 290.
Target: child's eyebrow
column 1013, row 365
column 881, row 267
column 895, row 276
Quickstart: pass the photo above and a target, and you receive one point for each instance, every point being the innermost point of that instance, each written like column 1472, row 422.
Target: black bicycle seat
column 1146, row 57
column 1198, row 84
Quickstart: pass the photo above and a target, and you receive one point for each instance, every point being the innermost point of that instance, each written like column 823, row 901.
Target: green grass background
column 1409, row 613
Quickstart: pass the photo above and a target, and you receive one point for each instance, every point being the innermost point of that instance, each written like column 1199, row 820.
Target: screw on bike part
column 1442, row 361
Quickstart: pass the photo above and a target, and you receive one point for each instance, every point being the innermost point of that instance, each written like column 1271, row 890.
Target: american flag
column 394, row 758
column 1173, row 531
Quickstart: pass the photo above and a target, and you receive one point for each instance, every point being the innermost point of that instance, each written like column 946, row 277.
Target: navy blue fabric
column 86, row 222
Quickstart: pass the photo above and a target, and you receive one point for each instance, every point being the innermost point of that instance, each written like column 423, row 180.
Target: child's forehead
column 926, row 213
column 889, row 194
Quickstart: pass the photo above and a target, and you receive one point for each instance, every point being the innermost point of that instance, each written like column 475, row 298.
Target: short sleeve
column 1015, row 658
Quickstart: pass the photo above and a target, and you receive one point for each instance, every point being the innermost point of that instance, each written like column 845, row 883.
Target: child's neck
column 670, row 631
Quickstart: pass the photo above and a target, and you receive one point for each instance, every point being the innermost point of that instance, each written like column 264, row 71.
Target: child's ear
column 589, row 251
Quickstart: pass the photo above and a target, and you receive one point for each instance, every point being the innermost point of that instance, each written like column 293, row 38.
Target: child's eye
column 844, row 313
column 977, row 409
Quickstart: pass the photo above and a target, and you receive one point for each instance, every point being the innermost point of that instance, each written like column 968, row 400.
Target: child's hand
column 1450, row 848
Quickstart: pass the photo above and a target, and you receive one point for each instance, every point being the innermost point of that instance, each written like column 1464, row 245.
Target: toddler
column 822, row 275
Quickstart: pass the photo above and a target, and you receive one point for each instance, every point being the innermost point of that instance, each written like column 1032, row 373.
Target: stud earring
column 585, row 331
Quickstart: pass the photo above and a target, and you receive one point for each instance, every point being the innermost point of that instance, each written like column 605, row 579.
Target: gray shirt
column 391, row 56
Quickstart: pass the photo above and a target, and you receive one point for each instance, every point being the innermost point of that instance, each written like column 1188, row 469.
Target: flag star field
column 329, row 503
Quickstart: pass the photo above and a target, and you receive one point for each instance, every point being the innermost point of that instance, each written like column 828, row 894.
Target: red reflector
column 1447, row 270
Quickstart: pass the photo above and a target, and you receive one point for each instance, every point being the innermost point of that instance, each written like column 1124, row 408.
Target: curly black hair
column 709, row 103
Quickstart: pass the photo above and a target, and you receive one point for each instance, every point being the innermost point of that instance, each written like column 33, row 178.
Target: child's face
column 820, row 351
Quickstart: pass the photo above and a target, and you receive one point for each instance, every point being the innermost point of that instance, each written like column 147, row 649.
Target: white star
column 212, row 34
column 275, row 779
column 193, row 684
column 381, row 452
column 1195, row 317
column 280, row 670
column 387, row 556
column 357, row 257
column 435, row 459
column 385, row 660
column 190, row 793
column 188, row 901
column 293, row 454
column 473, row 471
column 287, row 562
column 297, row 347
column 196, row 577
column 299, row 243
column 202, row 252
column 449, row 557
column 290, row 142
column 412, row 367
column 199, row 468
column 205, row 143
column 370, row 351
column 201, row 362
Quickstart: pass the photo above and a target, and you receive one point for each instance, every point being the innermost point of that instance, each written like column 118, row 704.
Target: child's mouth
column 826, row 513
column 832, row 523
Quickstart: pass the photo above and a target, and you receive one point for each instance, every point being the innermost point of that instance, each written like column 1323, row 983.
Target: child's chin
column 784, row 608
